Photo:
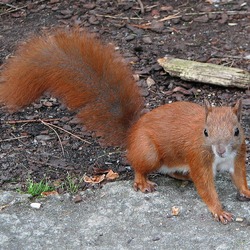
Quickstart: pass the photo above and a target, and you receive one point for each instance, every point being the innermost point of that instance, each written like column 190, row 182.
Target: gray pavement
column 117, row 217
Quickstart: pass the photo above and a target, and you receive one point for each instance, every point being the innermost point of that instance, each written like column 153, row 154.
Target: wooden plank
column 206, row 72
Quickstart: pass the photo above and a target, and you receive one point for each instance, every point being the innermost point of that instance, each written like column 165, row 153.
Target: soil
column 204, row 31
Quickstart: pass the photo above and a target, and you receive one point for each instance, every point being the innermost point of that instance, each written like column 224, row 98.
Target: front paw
column 223, row 217
column 145, row 187
column 242, row 197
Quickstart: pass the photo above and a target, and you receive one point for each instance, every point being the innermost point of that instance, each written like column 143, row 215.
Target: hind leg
column 143, row 156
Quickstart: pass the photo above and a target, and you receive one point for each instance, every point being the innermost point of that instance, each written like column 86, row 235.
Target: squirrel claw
column 147, row 187
column 224, row 217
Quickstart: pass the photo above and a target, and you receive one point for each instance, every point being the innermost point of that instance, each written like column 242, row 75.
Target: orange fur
column 184, row 139
column 85, row 74
column 173, row 136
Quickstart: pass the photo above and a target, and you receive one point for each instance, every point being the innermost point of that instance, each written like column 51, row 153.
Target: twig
column 15, row 138
column 13, row 10
column 176, row 15
column 230, row 13
column 60, row 141
column 147, row 7
column 147, row 25
column 119, row 17
column 141, row 6
column 46, row 121
column 17, row 8
column 66, row 131
column 110, row 153
column 30, row 121
column 229, row 56
column 9, row 5
column 19, row 140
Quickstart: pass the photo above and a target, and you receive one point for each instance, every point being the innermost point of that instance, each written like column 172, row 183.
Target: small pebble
column 77, row 198
column 238, row 219
column 36, row 205
column 147, row 39
column 175, row 211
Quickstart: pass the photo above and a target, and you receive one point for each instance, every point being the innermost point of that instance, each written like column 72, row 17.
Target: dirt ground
column 204, row 31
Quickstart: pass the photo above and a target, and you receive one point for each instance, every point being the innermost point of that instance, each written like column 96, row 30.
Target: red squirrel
column 182, row 139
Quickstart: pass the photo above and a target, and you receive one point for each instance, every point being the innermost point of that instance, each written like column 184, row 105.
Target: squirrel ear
column 237, row 109
column 208, row 107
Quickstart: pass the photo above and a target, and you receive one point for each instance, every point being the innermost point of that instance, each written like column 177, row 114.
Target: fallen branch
column 206, row 72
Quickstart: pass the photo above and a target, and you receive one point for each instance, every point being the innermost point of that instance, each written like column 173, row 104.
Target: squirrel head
column 222, row 130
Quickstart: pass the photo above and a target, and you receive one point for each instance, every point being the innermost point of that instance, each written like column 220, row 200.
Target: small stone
column 43, row 138
column 186, row 18
column 36, row 205
column 157, row 26
column 48, row 104
column 150, row 81
column 54, row 1
column 144, row 92
column 93, row 20
column 156, row 238
column 77, row 198
column 175, row 211
column 246, row 102
column 89, row 6
column 238, row 219
column 67, row 127
column 224, row 18
column 202, row 19
column 147, row 40
column 130, row 37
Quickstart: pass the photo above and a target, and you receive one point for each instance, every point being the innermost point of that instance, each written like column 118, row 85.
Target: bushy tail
column 83, row 73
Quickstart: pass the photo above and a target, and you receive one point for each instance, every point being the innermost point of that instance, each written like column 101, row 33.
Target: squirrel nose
column 221, row 150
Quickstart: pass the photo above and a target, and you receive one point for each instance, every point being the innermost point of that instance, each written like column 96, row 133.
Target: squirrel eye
column 205, row 133
column 236, row 132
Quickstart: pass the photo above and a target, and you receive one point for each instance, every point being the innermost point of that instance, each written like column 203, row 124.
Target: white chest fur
column 224, row 164
column 219, row 164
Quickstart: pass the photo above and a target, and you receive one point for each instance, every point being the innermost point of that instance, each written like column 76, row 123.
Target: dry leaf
column 175, row 211
column 136, row 77
column 95, row 179
column 166, row 8
column 3, row 207
column 111, row 175
column 182, row 90
column 49, row 193
column 57, row 183
column 150, row 81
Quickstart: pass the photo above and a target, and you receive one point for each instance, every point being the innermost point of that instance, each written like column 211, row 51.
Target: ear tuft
column 208, row 107
column 237, row 109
